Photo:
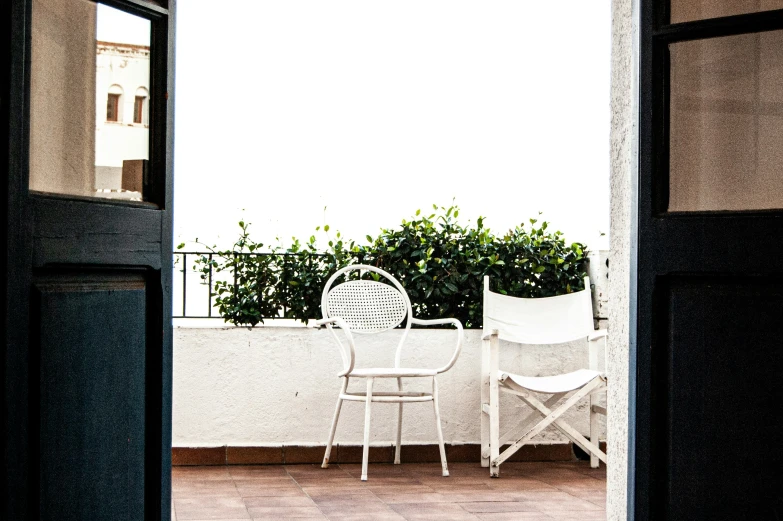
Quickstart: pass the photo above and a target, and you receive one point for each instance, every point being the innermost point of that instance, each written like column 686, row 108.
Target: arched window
column 114, row 104
column 140, row 105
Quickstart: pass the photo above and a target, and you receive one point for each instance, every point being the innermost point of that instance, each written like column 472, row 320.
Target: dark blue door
column 86, row 107
column 706, row 411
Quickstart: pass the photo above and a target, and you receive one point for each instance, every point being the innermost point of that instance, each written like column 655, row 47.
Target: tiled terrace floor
column 525, row 492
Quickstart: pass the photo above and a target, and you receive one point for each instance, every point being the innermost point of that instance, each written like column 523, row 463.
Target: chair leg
column 494, row 407
column 553, row 417
column 366, row 451
column 443, row 462
column 484, row 403
column 333, row 428
column 398, row 445
column 594, row 428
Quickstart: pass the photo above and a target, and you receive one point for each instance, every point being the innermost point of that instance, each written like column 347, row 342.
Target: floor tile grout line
column 233, row 482
column 305, row 492
column 380, row 499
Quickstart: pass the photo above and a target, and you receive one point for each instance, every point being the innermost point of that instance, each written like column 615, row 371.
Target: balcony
column 252, row 407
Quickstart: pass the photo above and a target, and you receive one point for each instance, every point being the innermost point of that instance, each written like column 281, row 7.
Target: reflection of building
column 121, row 110
column 77, row 82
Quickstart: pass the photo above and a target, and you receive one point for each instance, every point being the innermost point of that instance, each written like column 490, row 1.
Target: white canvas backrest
column 546, row 320
column 366, row 306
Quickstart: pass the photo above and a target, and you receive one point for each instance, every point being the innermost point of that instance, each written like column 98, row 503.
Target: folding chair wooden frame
column 549, row 320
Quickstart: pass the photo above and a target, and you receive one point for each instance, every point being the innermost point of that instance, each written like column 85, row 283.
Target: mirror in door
column 90, row 100
column 726, row 123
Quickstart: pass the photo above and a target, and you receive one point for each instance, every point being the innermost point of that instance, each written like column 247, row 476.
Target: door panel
column 92, row 382
column 719, row 366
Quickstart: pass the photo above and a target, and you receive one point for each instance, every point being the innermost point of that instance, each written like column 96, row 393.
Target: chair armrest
column 349, row 355
column 456, row 323
column 595, row 345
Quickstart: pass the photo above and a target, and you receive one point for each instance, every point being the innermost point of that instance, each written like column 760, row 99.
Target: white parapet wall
column 274, row 386
column 277, row 386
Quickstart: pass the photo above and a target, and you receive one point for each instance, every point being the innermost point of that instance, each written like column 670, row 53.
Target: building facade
column 122, row 111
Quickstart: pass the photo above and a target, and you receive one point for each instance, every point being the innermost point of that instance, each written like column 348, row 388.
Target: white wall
column 624, row 170
column 274, row 386
column 62, row 102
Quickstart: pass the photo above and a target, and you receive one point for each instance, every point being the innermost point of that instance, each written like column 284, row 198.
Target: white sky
column 120, row 27
column 374, row 109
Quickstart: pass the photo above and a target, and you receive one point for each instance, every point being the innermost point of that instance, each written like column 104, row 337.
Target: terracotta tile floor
column 525, row 491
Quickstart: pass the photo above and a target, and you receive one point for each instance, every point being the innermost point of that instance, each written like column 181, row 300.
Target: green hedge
column 440, row 262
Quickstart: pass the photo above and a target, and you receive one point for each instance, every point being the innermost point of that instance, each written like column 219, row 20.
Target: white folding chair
column 549, row 320
column 367, row 307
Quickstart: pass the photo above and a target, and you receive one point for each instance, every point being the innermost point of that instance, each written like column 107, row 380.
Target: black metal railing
column 194, row 288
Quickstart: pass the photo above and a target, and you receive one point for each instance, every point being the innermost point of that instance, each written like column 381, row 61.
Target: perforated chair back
column 546, row 320
column 366, row 306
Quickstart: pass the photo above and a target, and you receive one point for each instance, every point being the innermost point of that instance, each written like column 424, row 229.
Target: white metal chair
column 367, row 307
column 549, row 320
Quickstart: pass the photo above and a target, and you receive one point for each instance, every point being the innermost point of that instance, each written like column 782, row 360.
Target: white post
column 397, row 447
column 484, row 405
column 594, row 429
column 494, row 405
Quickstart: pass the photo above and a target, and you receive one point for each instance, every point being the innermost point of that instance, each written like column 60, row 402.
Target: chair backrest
column 366, row 306
column 546, row 320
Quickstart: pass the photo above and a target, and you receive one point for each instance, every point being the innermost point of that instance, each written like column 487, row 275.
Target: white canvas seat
column 529, row 321
column 561, row 383
column 359, row 306
column 394, row 372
